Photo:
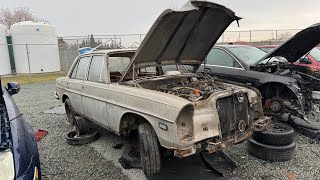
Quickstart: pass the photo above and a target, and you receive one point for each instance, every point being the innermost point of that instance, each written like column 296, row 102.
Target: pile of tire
column 275, row 144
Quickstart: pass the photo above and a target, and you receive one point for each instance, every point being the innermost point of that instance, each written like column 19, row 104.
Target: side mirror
column 13, row 88
column 305, row 60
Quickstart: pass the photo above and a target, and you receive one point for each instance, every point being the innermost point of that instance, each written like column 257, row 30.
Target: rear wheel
column 149, row 149
column 70, row 112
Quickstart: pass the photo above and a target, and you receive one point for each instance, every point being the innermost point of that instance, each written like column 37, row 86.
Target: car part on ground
column 40, row 134
column 277, row 135
column 74, row 139
column 69, row 111
column 131, row 159
column 149, row 149
column 269, row 152
column 220, row 162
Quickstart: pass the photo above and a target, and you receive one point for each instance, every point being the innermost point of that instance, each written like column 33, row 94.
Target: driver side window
column 221, row 58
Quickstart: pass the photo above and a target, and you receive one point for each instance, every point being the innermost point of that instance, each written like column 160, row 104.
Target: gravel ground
column 99, row 160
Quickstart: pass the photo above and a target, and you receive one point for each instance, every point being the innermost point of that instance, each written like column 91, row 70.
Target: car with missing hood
column 285, row 86
column 19, row 157
column 127, row 91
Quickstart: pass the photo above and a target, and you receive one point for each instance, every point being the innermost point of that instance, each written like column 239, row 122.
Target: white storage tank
column 5, row 67
column 42, row 47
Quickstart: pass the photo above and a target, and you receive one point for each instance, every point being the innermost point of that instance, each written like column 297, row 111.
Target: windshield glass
column 266, row 49
column 250, row 55
column 315, row 53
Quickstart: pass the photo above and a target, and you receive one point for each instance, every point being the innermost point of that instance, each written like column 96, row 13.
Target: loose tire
column 271, row 153
column 279, row 134
column 132, row 158
column 82, row 125
column 149, row 149
column 74, row 139
column 70, row 112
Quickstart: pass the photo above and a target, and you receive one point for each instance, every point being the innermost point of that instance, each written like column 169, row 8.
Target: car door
column 222, row 64
column 75, row 83
column 95, row 92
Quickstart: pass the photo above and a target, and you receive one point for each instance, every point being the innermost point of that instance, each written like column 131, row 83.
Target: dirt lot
column 99, row 160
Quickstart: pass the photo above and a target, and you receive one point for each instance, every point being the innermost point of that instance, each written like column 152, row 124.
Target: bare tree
column 284, row 36
column 9, row 17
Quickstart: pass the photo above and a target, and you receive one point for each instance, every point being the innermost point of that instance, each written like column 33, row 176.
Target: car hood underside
column 184, row 36
column 298, row 45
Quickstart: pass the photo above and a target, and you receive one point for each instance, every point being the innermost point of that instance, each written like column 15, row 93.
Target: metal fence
column 68, row 46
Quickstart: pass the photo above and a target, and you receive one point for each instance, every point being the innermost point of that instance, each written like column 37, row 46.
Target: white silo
column 5, row 67
column 41, row 54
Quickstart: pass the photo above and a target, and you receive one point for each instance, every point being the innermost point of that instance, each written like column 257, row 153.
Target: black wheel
column 271, row 153
column 132, row 158
column 278, row 134
column 82, row 125
column 70, row 112
column 149, row 149
column 74, row 139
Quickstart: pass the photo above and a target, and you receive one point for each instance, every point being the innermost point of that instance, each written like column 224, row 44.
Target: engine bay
column 193, row 88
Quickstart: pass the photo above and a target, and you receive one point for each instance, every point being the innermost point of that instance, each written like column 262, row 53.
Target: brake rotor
column 275, row 106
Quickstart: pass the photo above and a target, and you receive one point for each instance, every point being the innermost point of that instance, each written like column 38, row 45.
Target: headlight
column 36, row 174
column 6, row 165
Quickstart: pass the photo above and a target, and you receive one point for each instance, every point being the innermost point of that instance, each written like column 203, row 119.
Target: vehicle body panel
column 181, row 36
column 297, row 46
column 24, row 146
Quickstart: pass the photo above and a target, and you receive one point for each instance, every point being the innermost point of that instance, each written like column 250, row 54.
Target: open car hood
column 298, row 45
column 184, row 36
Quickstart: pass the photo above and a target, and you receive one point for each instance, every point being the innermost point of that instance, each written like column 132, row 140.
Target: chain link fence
column 68, row 47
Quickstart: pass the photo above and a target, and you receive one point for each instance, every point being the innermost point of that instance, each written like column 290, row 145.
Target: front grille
column 231, row 112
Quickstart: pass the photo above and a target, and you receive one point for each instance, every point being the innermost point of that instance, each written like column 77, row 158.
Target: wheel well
column 64, row 98
column 129, row 122
column 284, row 90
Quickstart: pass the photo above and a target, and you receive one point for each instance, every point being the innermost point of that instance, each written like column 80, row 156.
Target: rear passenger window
column 83, row 68
column 97, row 72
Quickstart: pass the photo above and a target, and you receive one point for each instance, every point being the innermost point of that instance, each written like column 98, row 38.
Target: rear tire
column 271, row 153
column 70, row 112
column 149, row 149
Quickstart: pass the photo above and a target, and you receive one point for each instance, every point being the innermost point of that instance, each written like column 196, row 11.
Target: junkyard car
column 19, row 157
column 311, row 59
column 127, row 90
column 285, row 87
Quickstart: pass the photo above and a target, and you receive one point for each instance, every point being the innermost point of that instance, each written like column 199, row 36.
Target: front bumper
column 212, row 145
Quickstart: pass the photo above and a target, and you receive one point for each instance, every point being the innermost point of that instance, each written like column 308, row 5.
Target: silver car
column 150, row 90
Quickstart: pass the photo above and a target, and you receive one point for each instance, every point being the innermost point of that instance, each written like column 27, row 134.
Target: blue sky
column 79, row 17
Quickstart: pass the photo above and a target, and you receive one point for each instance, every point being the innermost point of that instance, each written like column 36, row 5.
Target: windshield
column 315, row 53
column 250, row 55
column 266, row 49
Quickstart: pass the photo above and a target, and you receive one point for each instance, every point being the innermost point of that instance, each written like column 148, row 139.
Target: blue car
column 19, row 157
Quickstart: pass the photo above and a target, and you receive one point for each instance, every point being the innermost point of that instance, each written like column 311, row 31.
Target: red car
column 311, row 60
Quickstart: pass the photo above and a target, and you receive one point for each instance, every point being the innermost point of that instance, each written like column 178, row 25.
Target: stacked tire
column 276, row 144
